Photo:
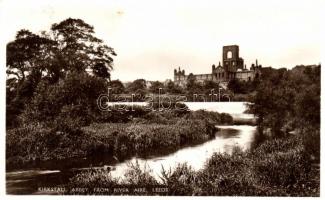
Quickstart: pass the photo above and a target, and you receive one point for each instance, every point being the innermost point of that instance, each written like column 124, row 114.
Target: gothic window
column 222, row 74
column 229, row 54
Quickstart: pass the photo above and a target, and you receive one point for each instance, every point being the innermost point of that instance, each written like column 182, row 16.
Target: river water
column 52, row 174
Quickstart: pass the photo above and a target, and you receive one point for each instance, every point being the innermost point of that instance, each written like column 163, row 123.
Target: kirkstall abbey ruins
column 232, row 67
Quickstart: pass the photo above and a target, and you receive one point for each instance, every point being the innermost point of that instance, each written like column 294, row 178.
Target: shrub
column 37, row 143
column 212, row 117
column 121, row 114
column 163, row 117
column 281, row 162
column 75, row 95
column 179, row 109
column 92, row 178
column 152, row 136
column 137, row 176
column 227, row 175
column 311, row 141
column 181, row 181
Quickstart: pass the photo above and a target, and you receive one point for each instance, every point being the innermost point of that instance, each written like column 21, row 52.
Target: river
column 52, row 174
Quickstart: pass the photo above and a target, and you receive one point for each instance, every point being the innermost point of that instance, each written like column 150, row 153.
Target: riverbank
column 56, row 173
column 148, row 131
column 278, row 167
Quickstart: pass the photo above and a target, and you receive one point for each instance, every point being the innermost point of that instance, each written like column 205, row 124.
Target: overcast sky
column 152, row 38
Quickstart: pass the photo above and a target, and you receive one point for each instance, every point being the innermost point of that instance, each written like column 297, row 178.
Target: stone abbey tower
column 232, row 67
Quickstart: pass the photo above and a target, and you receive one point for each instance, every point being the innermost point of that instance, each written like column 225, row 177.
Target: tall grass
column 275, row 168
column 145, row 132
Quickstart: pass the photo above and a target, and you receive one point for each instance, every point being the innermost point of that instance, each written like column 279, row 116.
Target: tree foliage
column 80, row 49
column 116, row 87
column 288, row 99
column 49, row 72
column 155, row 86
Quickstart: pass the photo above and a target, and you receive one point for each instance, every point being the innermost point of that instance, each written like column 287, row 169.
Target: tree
column 192, row 86
column 28, row 58
column 191, row 82
column 100, row 70
column 116, row 86
column 272, row 105
column 68, row 53
column 288, row 97
column 28, row 53
column 237, row 86
column 154, row 88
column 75, row 97
column 138, row 84
column 80, row 49
column 173, row 89
column 138, row 88
column 209, row 85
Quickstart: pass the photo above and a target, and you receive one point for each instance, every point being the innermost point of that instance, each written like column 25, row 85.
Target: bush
column 212, row 117
column 227, row 175
column 101, row 178
column 181, row 181
column 281, row 162
column 37, row 143
column 158, row 136
column 74, row 96
column 92, row 178
column 282, row 168
column 121, row 114
column 143, row 135
column 138, row 177
column 311, row 141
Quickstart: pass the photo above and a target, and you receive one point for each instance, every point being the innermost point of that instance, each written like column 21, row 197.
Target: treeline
column 193, row 90
column 143, row 89
column 289, row 101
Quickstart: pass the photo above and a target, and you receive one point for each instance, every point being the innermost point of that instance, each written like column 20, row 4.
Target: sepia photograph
column 162, row 98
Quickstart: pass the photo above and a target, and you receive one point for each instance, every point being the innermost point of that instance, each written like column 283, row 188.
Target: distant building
column 232, row 67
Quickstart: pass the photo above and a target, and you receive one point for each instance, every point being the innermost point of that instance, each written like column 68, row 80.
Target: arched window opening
column 229, row 54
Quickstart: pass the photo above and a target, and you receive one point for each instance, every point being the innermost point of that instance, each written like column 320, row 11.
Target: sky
column 152, row 38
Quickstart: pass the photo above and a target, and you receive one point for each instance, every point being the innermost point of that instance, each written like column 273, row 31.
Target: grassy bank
column 277, row 167
column 142, row 132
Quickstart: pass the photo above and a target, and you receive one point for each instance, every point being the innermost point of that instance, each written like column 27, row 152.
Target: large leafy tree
column 288, row 99
column 27, row 54
column 69, row 46
column 80, row 49
column 74, row 97
column 28, row 58
column 69, row 49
